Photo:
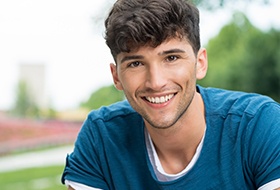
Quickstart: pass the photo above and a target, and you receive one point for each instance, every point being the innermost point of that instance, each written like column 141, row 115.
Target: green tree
column 102, row 97
column 24, row 104
column 263, row 65
column 245, row 58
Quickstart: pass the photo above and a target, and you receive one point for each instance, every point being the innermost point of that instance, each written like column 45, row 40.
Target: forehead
column 148, row 50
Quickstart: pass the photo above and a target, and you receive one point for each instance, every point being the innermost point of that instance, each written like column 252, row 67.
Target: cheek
column 129, row 83
column 183, row 73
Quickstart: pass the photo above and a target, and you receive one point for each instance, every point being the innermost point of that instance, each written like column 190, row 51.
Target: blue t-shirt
column 241, row 149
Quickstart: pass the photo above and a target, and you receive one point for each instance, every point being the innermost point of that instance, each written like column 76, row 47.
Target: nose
column 156, row 77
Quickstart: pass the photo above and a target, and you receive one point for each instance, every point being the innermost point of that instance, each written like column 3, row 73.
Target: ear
column 202, row 64
column 115, row 76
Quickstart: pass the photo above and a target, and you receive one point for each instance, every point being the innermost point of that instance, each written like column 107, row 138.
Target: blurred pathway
column 55, row 156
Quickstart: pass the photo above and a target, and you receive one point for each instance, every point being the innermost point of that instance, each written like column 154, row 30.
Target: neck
column 176, row 145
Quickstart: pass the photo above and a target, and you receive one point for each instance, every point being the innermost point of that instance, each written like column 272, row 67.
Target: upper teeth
column 159, row 100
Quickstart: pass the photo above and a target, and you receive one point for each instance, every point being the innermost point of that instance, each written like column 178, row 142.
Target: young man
column 171, row 133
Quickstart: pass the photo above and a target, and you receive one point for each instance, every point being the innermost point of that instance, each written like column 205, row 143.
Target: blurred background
column 54, row 69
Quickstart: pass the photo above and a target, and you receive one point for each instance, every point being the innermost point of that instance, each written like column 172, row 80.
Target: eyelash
column 168, row 59
column 132, row 65
column 172, row 58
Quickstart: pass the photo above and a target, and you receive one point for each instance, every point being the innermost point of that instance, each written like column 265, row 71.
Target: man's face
column 160, row 82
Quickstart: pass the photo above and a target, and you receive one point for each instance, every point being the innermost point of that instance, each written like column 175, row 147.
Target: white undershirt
column 158, row 169
column 161, row 174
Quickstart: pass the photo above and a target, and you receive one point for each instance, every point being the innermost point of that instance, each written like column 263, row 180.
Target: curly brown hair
column 135, row 23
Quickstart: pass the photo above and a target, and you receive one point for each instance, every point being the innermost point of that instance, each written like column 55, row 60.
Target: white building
column 35, row 77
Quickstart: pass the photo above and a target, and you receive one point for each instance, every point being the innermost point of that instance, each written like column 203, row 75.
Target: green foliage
column 25, row 106
column 45, row 178
column 263, row 66
column 245, row 58
column 102, row 97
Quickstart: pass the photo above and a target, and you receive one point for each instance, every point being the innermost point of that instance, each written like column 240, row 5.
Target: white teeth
column 159, row 100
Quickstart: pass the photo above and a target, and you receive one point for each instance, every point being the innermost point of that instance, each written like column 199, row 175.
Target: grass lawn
column 39, row 178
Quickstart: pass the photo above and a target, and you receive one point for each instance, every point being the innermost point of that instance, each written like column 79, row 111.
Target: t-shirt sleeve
column 78, row 186
column 83, row 164
column 271, row 185
column 263, row 145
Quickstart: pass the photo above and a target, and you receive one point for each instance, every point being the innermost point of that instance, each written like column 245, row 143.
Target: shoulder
column 116, row 117
column 250, row 125
column 224, row 102
column 107, row 113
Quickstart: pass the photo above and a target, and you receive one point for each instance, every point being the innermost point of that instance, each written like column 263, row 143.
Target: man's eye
column 172, row 58
column 135, row 64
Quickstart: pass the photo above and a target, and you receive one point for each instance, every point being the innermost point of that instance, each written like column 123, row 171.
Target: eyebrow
column 171, row 51
column 132, row 57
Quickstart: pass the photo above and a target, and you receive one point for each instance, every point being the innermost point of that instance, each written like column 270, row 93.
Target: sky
column 67, row 37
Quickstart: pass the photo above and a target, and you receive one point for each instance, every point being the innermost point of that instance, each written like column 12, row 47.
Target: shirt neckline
column 156, row 164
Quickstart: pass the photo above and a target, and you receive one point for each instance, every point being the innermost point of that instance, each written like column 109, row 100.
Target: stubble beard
column 180, row 111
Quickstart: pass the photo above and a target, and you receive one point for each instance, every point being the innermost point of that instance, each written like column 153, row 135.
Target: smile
column 160, row 99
